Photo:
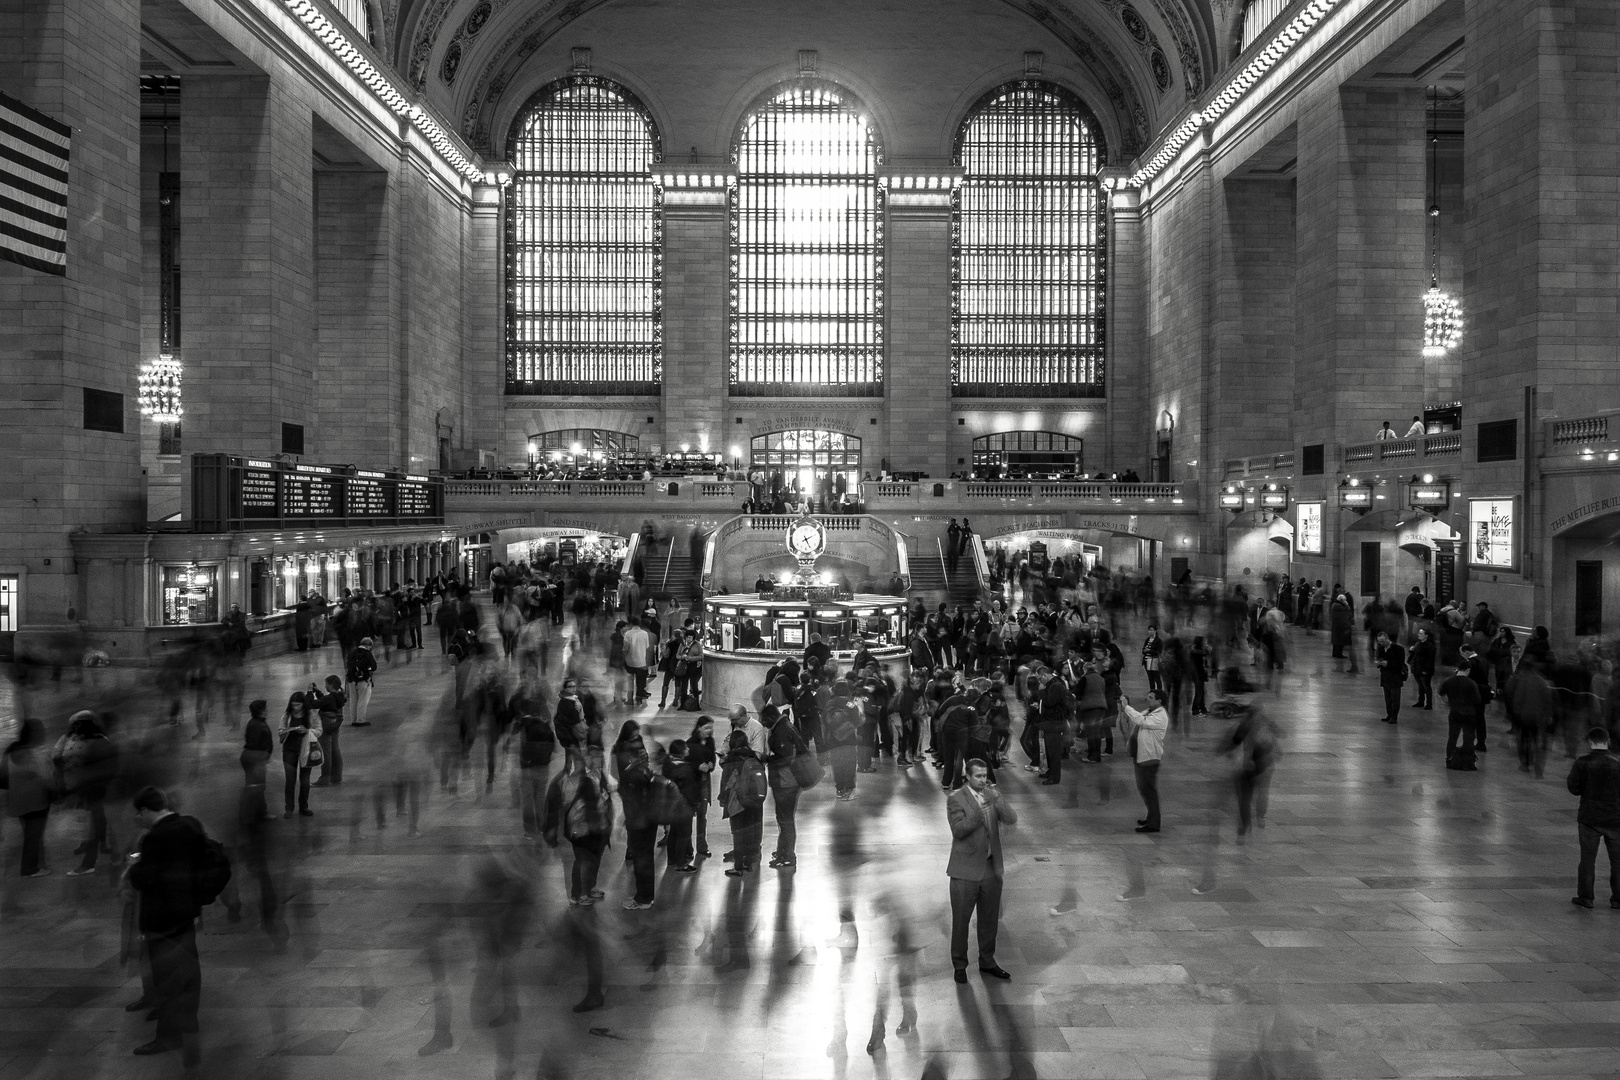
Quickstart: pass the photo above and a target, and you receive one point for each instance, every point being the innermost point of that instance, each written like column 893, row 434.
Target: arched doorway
column 1028, row 455
column 818, row 463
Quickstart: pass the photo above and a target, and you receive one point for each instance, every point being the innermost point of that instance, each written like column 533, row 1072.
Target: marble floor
column 1393, row 919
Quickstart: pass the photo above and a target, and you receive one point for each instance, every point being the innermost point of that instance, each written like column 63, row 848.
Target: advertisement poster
column 1490, row 533
column 1308, row 537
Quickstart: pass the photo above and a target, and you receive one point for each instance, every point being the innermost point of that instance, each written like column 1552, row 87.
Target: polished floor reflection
column 1391, row 919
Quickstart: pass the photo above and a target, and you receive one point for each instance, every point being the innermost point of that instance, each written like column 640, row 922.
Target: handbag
column 806, row 770
column 316, row 757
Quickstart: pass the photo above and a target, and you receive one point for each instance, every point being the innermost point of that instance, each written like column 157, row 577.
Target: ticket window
column 190, row 595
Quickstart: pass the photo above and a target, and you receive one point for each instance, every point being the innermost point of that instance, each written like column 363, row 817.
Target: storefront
column 141, row 594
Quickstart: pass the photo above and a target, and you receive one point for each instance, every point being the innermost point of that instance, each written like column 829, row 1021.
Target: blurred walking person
column 30, row 787
column 87, row 761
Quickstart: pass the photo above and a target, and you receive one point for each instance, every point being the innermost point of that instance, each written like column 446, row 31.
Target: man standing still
column 164, row 872
column 1596, row 779
column 1391, row 661
column 976, row 813
column 1461, row 695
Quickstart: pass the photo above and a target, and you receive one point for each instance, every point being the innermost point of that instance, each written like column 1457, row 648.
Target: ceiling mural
column 1129, row 82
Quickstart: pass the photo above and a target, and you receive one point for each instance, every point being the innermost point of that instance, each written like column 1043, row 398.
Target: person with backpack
column 579, row 808
column 359, row 669
column 742, row 799
column 634, row 766
column 177, row 870
column 840, row 729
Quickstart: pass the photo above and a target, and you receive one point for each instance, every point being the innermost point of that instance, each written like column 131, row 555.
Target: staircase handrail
column 944, row 573
column 981, row 564
column 628, row 563
column 664, row 586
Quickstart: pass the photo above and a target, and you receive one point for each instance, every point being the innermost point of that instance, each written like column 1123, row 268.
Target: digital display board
column 231, row 493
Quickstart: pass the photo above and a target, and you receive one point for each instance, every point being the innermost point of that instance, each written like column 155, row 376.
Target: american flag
column 33, row 187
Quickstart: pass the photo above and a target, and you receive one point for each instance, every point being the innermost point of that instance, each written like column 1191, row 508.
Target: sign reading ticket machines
column 1491, row 540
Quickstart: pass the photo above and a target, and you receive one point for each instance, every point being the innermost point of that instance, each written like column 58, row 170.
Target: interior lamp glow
column 159, row 386
column 289, row 571
column 1442, row 322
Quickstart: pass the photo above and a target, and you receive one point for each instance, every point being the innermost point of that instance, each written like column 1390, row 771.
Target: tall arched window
column 807, row 248
column 1028, row 248
column 583, row 251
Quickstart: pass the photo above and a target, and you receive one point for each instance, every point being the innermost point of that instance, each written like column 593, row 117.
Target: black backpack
column 213, row 870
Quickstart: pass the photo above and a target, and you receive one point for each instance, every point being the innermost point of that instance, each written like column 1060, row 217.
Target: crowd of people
column 554, row 673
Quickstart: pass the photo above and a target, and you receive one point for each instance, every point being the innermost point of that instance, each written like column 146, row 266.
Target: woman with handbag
column 300, row 752
column 31, row 786
column 329, row 707
column 634, row 767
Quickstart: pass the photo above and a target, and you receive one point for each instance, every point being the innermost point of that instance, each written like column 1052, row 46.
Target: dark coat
column 1595, row 777
column 171, row 855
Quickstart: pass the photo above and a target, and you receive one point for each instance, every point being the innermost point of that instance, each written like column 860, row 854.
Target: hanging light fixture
column 160, row 389
column 1442, row 315
column 159, row 381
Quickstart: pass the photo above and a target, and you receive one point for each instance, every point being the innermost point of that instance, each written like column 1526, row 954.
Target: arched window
column 1257, row 16
column 812, row 460
column 1024, row 455
column 583, row 258
column 807, row 248
column 1028, row 248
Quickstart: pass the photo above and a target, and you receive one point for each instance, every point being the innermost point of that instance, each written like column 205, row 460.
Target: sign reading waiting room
column 1491, row 525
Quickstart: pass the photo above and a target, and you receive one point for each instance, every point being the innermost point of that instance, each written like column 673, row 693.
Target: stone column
column 1541, row 256
column 917, row 380
column 695, row 361
column 247, row 214
column 1127, row 336
column 1361, row 267
column 61, row 335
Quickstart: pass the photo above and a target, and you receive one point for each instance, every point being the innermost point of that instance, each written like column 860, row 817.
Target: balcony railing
column 1585, row 429
column 1261, row 464
column 1447, row 444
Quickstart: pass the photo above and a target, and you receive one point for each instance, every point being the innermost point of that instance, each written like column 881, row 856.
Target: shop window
column 169, row 437
column 190, row 595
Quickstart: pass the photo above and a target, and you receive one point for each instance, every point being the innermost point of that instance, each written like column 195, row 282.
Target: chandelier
column 160, row 389
column 1442, row 314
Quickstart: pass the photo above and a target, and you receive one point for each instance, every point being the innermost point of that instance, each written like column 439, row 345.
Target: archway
column 1028, row 455
column 810, row 460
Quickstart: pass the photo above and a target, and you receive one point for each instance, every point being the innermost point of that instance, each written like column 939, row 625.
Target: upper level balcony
column 689, row 495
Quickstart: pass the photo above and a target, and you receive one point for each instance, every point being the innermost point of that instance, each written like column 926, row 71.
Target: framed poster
column 1492, row 538
column 1308, row 533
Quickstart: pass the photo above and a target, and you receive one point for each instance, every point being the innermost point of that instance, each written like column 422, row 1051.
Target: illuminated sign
column 1356, row 498
column 1308, row 530
column 231, row 493
column 1274, row 500
column 1490, row 533
column 1431, row 495
column 1231, row 500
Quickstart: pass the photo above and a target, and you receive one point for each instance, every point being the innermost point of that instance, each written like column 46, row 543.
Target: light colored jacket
column 1149, row 728
column 637, row 647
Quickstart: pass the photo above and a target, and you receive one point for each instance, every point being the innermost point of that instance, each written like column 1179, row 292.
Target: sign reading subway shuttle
column 229, row 494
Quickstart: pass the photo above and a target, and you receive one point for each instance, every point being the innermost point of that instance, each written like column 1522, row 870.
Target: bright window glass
column 1028, row 248
column 807, row 249
column 583, row 244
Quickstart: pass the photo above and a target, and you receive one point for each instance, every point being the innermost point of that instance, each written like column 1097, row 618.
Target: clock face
column 805, row 538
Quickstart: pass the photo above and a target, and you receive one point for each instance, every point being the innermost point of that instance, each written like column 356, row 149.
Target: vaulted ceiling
column 1143, row 58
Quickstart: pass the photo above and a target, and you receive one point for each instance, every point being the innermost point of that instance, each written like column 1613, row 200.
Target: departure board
column 231, row 493
column 307, row 493
column 368, row 497
column 414, row 499
column 260, row 494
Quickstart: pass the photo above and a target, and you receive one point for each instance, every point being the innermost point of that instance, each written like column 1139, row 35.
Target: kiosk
column 777, row 624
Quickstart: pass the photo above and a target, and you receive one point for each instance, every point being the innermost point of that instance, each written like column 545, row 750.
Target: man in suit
column 1391, row 661
column 976, row 812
